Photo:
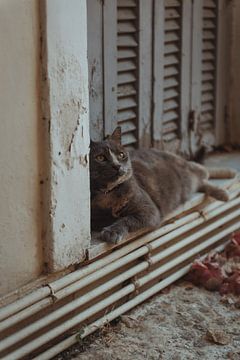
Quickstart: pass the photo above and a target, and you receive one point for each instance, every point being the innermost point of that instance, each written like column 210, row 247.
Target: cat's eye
column 121, row 155
column 100, row 158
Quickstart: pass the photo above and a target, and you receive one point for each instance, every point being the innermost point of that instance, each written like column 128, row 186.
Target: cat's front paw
column 112, row 235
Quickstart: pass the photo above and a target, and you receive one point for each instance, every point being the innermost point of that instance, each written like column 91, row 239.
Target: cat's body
column 138, row 189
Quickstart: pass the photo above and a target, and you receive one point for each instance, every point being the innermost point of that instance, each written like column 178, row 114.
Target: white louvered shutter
column 127, row 74
column 172, row 70
column 209, row 43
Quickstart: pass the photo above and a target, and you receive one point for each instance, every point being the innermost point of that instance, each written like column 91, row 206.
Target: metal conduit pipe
column 45, row 291
column 21, row 315
column 106, row 270
column 89, row 329
column 34, row 344
column 42, row 293
column 117, row 264
column 73, row 339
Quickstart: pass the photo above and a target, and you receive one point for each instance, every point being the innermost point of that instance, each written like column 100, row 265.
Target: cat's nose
column 116, row 166
column 121, row 171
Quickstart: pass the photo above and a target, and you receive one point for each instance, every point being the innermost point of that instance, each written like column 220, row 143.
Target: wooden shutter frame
column 196, row 74
column 145, row 73
column 110, row 65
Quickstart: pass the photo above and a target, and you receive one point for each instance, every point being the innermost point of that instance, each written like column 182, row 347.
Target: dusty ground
column 199, row 325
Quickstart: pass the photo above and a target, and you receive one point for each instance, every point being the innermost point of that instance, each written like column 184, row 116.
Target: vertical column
column 66, row 110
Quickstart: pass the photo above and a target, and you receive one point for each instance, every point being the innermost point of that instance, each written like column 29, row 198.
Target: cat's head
column 110, row 164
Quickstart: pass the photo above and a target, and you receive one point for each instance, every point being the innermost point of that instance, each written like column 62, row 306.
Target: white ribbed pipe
column 26, row 349
column 66, row 280
column 73, row 339
column 42, row 293
column 123, row 261
column 96, row 275
column 71, row 306
column 50, row 353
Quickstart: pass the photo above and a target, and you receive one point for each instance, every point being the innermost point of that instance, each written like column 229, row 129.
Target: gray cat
column 137, row 189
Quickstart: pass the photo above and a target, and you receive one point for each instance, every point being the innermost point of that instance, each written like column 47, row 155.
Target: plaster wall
column 20, row 244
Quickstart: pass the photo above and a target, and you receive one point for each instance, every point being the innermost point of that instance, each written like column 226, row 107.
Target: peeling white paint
column 67, row 78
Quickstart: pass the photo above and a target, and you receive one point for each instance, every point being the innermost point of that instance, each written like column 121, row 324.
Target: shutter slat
column 171, row 60
column 172, row 3
column 171, row 36
column 208, row 45
column 170, row 136
column 170, row 71
column 126, row 65
column 127, row 126
column 126, row 54
column 209, row 4
column 126, row 90
column 207, row 77
column 172, row 25
column 126, row 14
column 170, row 82
column 126, row 3
column 208, row 14
column 208, row 24
column 170, row 116
column 208, row 66
column 208, row 55
column 126, row 103
column 126, row 115
column 207, row 106
column 208, row 35
column 171, row 48
column 206, row 117
column 171, row 14
column 170, row 93
column 170, row 105
column 124, row 78
column 126, row 41
column 128, row 139
column 126, row 27
column 208, row 96
column 170, row 127
column 208, row 86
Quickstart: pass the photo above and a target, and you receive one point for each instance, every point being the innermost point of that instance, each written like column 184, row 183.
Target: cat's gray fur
column 141, row 188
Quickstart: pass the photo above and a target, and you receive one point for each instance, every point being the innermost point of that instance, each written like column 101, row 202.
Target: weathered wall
column 235, row 75
column 65, row 107
column 20, row 244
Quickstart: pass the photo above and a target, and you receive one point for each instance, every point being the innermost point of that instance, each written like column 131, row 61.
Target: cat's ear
column 92, row 144
column 117, row 135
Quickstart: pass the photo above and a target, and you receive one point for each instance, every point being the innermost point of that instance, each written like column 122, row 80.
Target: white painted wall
column 20, row 148
column 66, row 108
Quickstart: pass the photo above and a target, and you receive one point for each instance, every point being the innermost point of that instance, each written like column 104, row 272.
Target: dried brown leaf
column 217, row 337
